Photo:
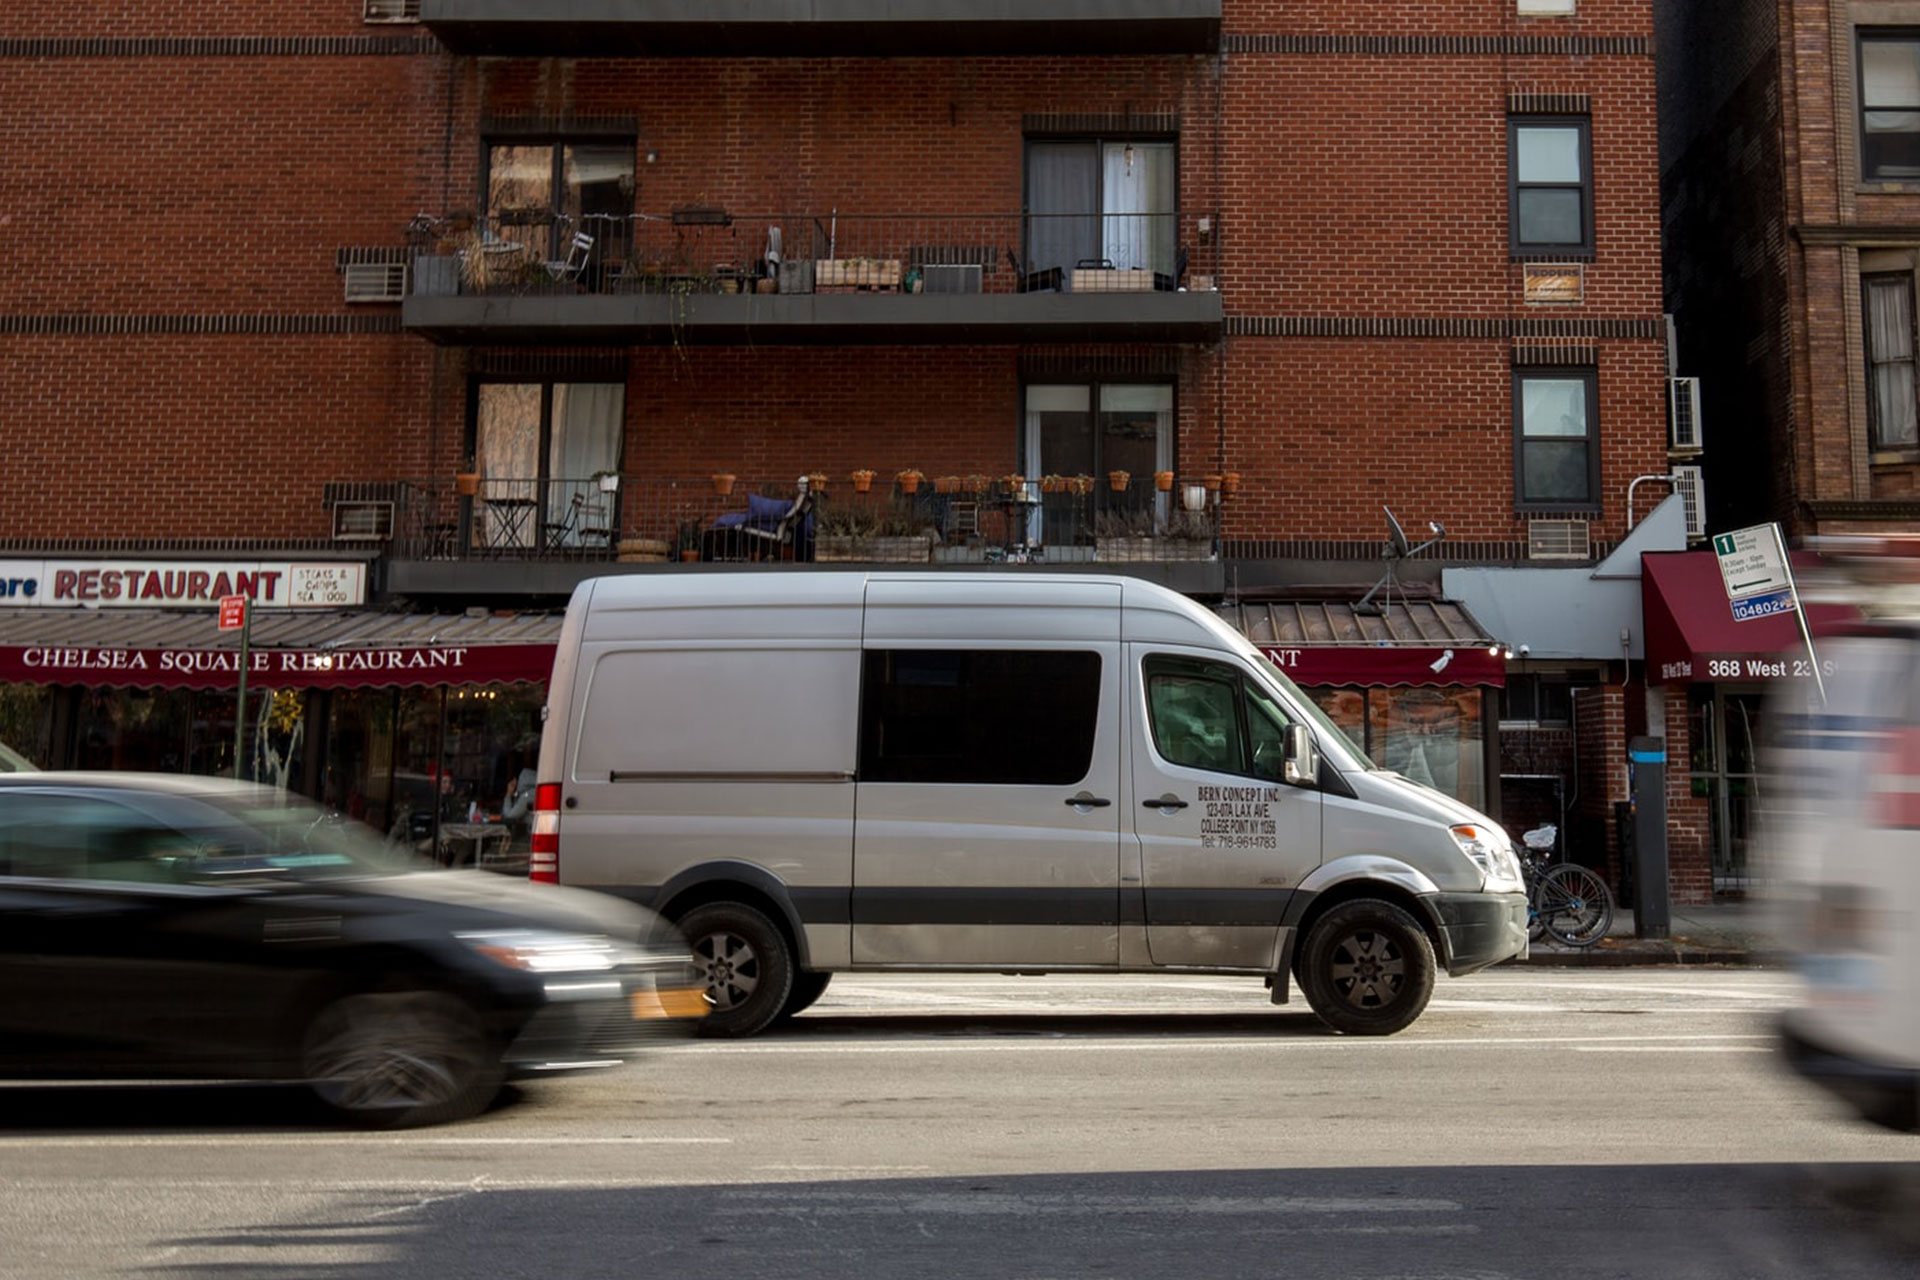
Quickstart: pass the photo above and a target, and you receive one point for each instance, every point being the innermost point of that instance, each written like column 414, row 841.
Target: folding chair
column 575, row 262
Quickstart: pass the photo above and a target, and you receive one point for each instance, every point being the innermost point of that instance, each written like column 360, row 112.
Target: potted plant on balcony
column 466, row 481
column 909, row 480
column 1163, row 481
column 841, row 535
column 1118, row 480
column 686, row 540
column 608, row 481
column 723, row 482
column 862, row 480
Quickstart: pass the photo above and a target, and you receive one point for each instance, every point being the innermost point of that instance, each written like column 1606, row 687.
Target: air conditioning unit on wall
column 376, row 281
column 1683, row 416
column 1693, row 496
column 390, row 11
column 1559, row 539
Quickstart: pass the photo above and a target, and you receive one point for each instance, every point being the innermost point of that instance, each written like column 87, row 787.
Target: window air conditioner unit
column 390, row 11
column 376, row 281
column 950, row 277
column 362, row 521
column 1683, row 416
column 1559, row 540
column 1693, row 497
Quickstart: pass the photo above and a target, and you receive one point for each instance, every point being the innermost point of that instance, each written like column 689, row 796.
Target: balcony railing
column 857, row 519
column 711, row 251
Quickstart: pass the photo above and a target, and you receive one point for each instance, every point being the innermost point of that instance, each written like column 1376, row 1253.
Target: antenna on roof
column 1396, row 550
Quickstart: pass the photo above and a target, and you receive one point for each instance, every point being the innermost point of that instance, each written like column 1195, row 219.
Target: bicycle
column 1565, row 901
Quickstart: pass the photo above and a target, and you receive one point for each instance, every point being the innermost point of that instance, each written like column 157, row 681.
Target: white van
column 828, row 772
column 1843, row 838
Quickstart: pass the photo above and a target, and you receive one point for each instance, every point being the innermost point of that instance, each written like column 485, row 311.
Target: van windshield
column 1325, row 730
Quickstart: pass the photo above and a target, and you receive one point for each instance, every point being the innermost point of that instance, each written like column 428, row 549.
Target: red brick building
column 391, row 283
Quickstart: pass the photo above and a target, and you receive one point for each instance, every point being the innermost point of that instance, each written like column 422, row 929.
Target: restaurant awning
column 1691, row 633
column 292, row 648
column 1410, row 642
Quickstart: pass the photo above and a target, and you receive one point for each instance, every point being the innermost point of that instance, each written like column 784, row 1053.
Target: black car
column 154, row 925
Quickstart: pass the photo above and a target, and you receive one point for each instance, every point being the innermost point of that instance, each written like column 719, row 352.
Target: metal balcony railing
column 857, row 519
column 714, row 251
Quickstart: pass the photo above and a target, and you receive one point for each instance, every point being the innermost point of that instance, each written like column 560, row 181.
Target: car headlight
column 537, row 951
column 1492, row 852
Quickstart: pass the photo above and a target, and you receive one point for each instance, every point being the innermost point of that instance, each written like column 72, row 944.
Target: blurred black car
column 154, row 925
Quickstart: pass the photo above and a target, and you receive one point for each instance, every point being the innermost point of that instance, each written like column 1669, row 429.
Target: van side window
column 79, row 837
column 978, row 715
column 1204, row 715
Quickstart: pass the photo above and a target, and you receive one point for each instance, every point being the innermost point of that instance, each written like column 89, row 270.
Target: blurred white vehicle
column 1844, row 839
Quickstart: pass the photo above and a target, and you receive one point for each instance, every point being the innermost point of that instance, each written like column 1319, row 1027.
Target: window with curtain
column 1556, row 439
column 1889, row 71
column 1092, row 428
column 541, row 192
column 1890, row 359
column 538, row 447
column 1549, row 185
column 1101, row 202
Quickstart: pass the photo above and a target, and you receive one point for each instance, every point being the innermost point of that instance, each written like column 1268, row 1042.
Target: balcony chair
column 769, row 528
column 585, row 524
column 570, row 267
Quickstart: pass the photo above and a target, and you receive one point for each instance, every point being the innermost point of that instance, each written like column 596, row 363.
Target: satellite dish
column 1396, row 536
column 1396, row 550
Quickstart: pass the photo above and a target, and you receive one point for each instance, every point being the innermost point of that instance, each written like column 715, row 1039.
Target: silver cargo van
column 817, row 773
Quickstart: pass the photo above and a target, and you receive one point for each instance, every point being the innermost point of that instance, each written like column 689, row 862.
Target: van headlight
column 1492, row 852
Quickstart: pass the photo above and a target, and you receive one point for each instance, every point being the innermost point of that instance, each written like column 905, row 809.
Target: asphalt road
column 1564, row 1123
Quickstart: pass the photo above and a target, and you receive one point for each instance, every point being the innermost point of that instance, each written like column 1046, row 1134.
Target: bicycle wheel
column 1575, row 907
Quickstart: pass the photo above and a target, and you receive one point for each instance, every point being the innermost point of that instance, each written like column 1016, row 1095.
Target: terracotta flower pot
column 1211, row 483
column 909, row 482
column 1230, row 482
column 723, row 483
column 466, row 483
column 1163, row 481
column 1117, row 481
column 862, row 481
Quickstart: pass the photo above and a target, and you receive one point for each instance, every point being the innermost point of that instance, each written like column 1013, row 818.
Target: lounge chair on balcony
column 770, row 528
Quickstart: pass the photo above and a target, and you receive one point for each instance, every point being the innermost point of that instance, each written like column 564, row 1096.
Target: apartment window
column 1889, row 345
column 1100, row 202
column 537, row 447
column 1018, row 716
column 1550, row 184
column 1556, row 439
column 1091, row 429
column 540, row 192
column 1889, row 106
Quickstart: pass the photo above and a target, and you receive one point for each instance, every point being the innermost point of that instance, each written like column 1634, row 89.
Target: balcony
column 822, row 28
column 556, row 531
column 708, row 277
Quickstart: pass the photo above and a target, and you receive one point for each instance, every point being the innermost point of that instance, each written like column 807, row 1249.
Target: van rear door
column 987, row 814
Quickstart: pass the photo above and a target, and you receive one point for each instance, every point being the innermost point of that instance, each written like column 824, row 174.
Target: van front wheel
column 747, row 964
column 1367, row 968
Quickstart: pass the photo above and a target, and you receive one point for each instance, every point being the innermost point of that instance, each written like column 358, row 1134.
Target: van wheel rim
column 1368, row 970
column 732, row 967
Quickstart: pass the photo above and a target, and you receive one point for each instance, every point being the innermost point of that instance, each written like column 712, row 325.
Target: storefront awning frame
column 1410, row 641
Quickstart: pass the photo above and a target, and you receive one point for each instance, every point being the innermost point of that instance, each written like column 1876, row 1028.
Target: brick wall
column 1689, row 816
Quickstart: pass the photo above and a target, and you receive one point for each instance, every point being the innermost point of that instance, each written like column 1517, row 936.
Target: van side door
column 987, row 811
column 1223, row 840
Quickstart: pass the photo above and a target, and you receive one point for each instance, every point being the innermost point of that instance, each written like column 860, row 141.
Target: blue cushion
column 765, row 513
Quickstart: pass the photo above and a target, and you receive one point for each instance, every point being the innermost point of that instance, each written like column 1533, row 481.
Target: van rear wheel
column 747, row 965
column 1367, row 968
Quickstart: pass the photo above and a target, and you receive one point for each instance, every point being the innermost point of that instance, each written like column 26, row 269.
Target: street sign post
column 234, row 613
column 1759, row 581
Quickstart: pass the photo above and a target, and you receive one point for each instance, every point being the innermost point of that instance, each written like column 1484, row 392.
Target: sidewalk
column 1724, row 933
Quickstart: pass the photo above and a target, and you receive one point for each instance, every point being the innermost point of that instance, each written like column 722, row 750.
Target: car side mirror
column 1302, row 766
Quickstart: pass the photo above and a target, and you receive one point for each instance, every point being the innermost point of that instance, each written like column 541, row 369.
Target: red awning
column 1691, row 634
column 170, row 649
column 1417, row 641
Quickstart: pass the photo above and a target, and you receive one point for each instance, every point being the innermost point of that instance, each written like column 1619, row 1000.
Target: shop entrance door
column 1724, row 770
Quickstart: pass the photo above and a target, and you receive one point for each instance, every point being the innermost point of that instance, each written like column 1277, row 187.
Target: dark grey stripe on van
column 1208, row 907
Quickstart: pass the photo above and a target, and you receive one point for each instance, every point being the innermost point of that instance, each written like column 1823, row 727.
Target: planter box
column 856, row 273
column 846, row 548
column 1125, row 549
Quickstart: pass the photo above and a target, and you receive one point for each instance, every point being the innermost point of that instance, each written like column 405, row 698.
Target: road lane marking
column 1674, row 1048
column 1024, row 1042
column 341, row 1140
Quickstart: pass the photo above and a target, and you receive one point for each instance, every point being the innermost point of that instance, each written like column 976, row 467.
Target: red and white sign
column 233, row 612
column 110, row 583
column 277, row 668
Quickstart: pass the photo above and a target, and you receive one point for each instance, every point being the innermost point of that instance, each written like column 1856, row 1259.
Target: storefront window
column 139, row 729
column 1435, row 736
column 26, row 721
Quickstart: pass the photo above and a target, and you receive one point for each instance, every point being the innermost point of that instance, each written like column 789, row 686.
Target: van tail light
column 544, row 864
column 1895, row 782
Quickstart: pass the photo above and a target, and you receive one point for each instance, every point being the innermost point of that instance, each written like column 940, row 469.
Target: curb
column 1648, row 954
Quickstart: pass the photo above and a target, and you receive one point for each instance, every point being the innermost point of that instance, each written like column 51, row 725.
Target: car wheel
column 747, row 964
column 397, row 1060
column 1367, row 968
column 807, row 987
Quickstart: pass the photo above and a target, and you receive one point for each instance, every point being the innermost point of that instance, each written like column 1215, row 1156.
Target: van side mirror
column 1302, row 766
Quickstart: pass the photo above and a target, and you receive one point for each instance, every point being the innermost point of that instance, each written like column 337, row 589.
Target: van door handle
column 1168, row 801
column 1086, row 800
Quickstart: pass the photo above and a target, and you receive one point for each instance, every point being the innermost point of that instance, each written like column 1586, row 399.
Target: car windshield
column 1326, row 730
column 295, row 839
